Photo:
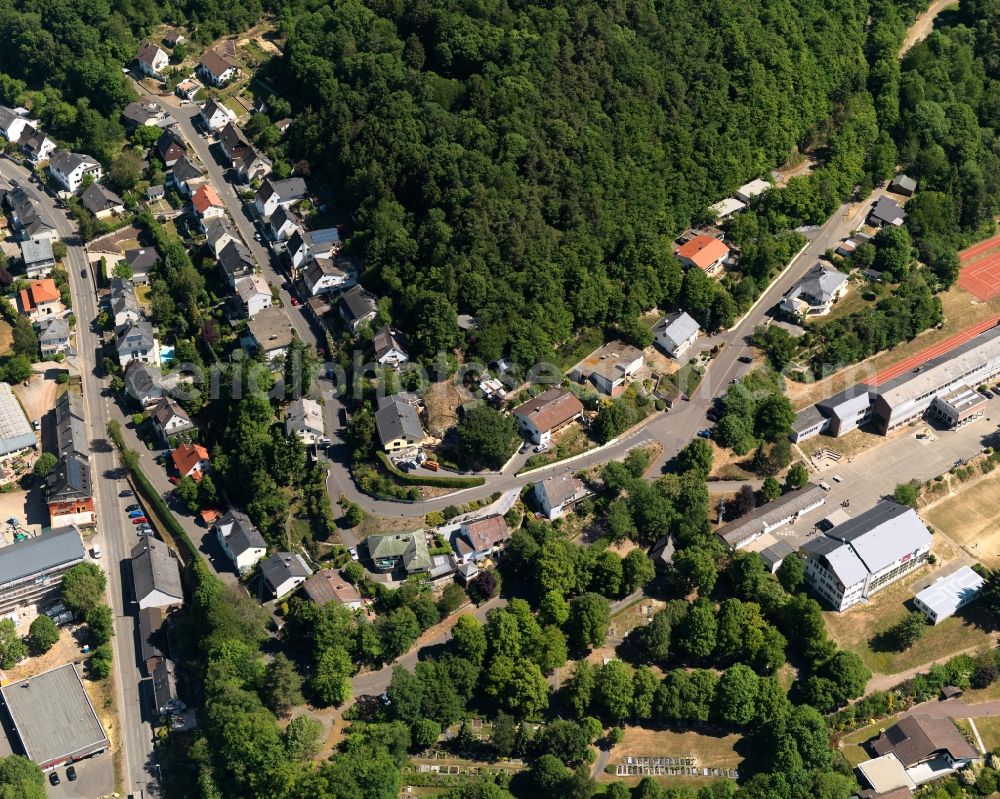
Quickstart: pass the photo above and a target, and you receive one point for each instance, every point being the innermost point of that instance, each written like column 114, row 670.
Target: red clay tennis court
column 931, row 352
column 980, row 273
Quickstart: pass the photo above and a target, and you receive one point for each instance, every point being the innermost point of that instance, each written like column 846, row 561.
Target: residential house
column 724, row 209
column 273, row 194
column 398, row 425
column 124, row 305
column 283, row 125
column 171, row 147
column 270, row 333
column 328, row 586
column 137, row 342
column 232, row 140
column 926, row 747
column 853, row 560
column 70, row 169
column 609, row 368
column 389, row 349
column 70, row 426
column 53, row 337
column 101, row 201
column 156, row 575
column 215, row 116
column 539, row 418
column 240, row 540
column 324, row 275
column 207, row 204
column 164, row 684
column 155, row 193
column 191, row 460
column 152, row 60
column 40, row 300
column 675, row 333
column 306, row 244
column 556, row 495
column 146, row 112
column 219, row 234
column 305, row 417
column 703, row 252
column 743, row 531
column 886, row 212
column 68, row 491
column 243, row 157
column 38, row 258
column 943, row 598
column 173, row 37
column 254, row 293
column 187, row 89
column 903, row 184
column 142, row 262
column 236, row 262
column 35, row 145
column 217, row 69
column 13, row 121
column 816, row 293
column 186, row 176
column 283, row 223
column 27, row 216
column 357, row 307
column 406, row 551
column 144, row 383
column 748, row 191
column 283, row 572
column 478, row 539
column 169, row 420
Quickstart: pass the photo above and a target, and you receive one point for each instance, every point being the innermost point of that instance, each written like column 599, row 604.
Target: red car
column 140, row 520
column 174, row 479
column 295, row 303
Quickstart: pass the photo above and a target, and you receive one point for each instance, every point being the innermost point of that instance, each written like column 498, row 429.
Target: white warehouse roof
column 948, row 594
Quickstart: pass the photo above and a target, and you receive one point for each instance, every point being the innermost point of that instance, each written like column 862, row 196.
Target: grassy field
column 989, row 731
column 6, row 337
column 847, row 445
column 971, row 517
column 851, row 744
column 856, row 628
column 859, row 296
column 711, row 751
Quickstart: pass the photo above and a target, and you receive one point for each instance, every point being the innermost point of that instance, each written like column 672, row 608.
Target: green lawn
column 851, row 744
column 989, row 731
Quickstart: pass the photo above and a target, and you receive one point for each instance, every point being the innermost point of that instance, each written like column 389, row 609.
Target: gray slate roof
column 154, row 569
column 243, row 535
column 283, row 566
column 676, row 327
column 35, row 251
column 357, row 302
column 135, row 335
column 398, row 420
column 54, row 331
column 71, row 434
column 70, row 479
column 819, row 284
column 888, row 211
column 66, row 162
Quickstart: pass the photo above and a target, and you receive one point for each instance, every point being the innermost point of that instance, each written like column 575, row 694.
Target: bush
column 100, row 662
column 43, row 634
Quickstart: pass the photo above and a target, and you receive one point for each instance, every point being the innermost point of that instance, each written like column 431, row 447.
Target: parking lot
column 94, row 778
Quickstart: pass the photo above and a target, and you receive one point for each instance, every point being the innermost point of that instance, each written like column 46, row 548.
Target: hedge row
column 152, row 497
column 421, row 480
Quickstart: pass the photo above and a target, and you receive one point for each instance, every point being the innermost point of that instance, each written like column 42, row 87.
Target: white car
column 837, row 478
column 353, row 552
column 95, row 552
column 825, row 486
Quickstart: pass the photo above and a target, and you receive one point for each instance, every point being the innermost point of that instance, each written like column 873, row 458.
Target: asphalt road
column 137, row 736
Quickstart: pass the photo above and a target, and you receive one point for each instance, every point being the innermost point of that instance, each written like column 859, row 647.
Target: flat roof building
column 609, row 367
column 959, row 407
column 16, row 433
column 850, row 562
column 907, row 396
column 54, row 718
column 741, row 532
column 943, row 598
column 31, row 571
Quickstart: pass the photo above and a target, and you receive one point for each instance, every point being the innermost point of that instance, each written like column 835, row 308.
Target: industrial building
column 852, row 561
column 53, row 717
column 747, row 529
column 959, row 407
column 943, row 598
column 16, row 433
column 31, row 571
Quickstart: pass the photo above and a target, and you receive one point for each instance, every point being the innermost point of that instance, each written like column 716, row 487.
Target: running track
column 980, row 273
column 931, row 352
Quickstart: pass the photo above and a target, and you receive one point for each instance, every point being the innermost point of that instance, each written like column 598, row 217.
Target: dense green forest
column 531, row 163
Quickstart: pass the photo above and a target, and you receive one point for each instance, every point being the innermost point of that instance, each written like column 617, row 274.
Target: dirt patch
column 6, row 338
column 709, row 751
column 66, row 650
column 971, row 517
column 442, row 400
column 126, row 238
column 38, row 397
column 727, row 465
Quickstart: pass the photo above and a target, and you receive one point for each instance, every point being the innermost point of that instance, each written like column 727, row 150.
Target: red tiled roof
column 703, row 251
column 44, row 290
column 204, row 197
column 187, row 457
column 487, row 532
column 550, row 408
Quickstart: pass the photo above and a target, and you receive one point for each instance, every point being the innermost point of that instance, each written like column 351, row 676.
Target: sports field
column 971, row 518
column 980, row 273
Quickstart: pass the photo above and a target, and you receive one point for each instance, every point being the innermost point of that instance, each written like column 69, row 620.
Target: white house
column 389, row 348
column 53, row 337
column 207, row 204
column 69, row 169
column 283, row 572
column 477, row 539
column 284, row 222
column 38, row 258
column 550, row 411
column 557, row 494
column 240, row 540
column 136, row 342
column 152, row 60
column 323, row 275
column 13, row 122
column 156, row 576
column 275, row 193
column 215, row 116
column 124, row 303
column 305, row 417
column 675, row 333
column 254, row 293
column 169, row 419
column 270, row 332
column 216, row 68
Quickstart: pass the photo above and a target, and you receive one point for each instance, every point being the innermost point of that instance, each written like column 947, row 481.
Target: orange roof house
column 704, row 252
column 39, row 294
column 204, row 198
column 191, row 460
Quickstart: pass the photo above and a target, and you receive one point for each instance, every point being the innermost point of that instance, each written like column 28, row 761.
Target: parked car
column 432, row 465
column 825, row 486
column 837, row 478
column 128, row 492
column 135, row 514
column 71, row 773
column 54, row 778
column 353, row 552
column 132, row 507
column 295, row 303
column 140, row 520
column 37, row 424
column 96, row 553
column 704, row 434
column 745, row 359
column 146, row 526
